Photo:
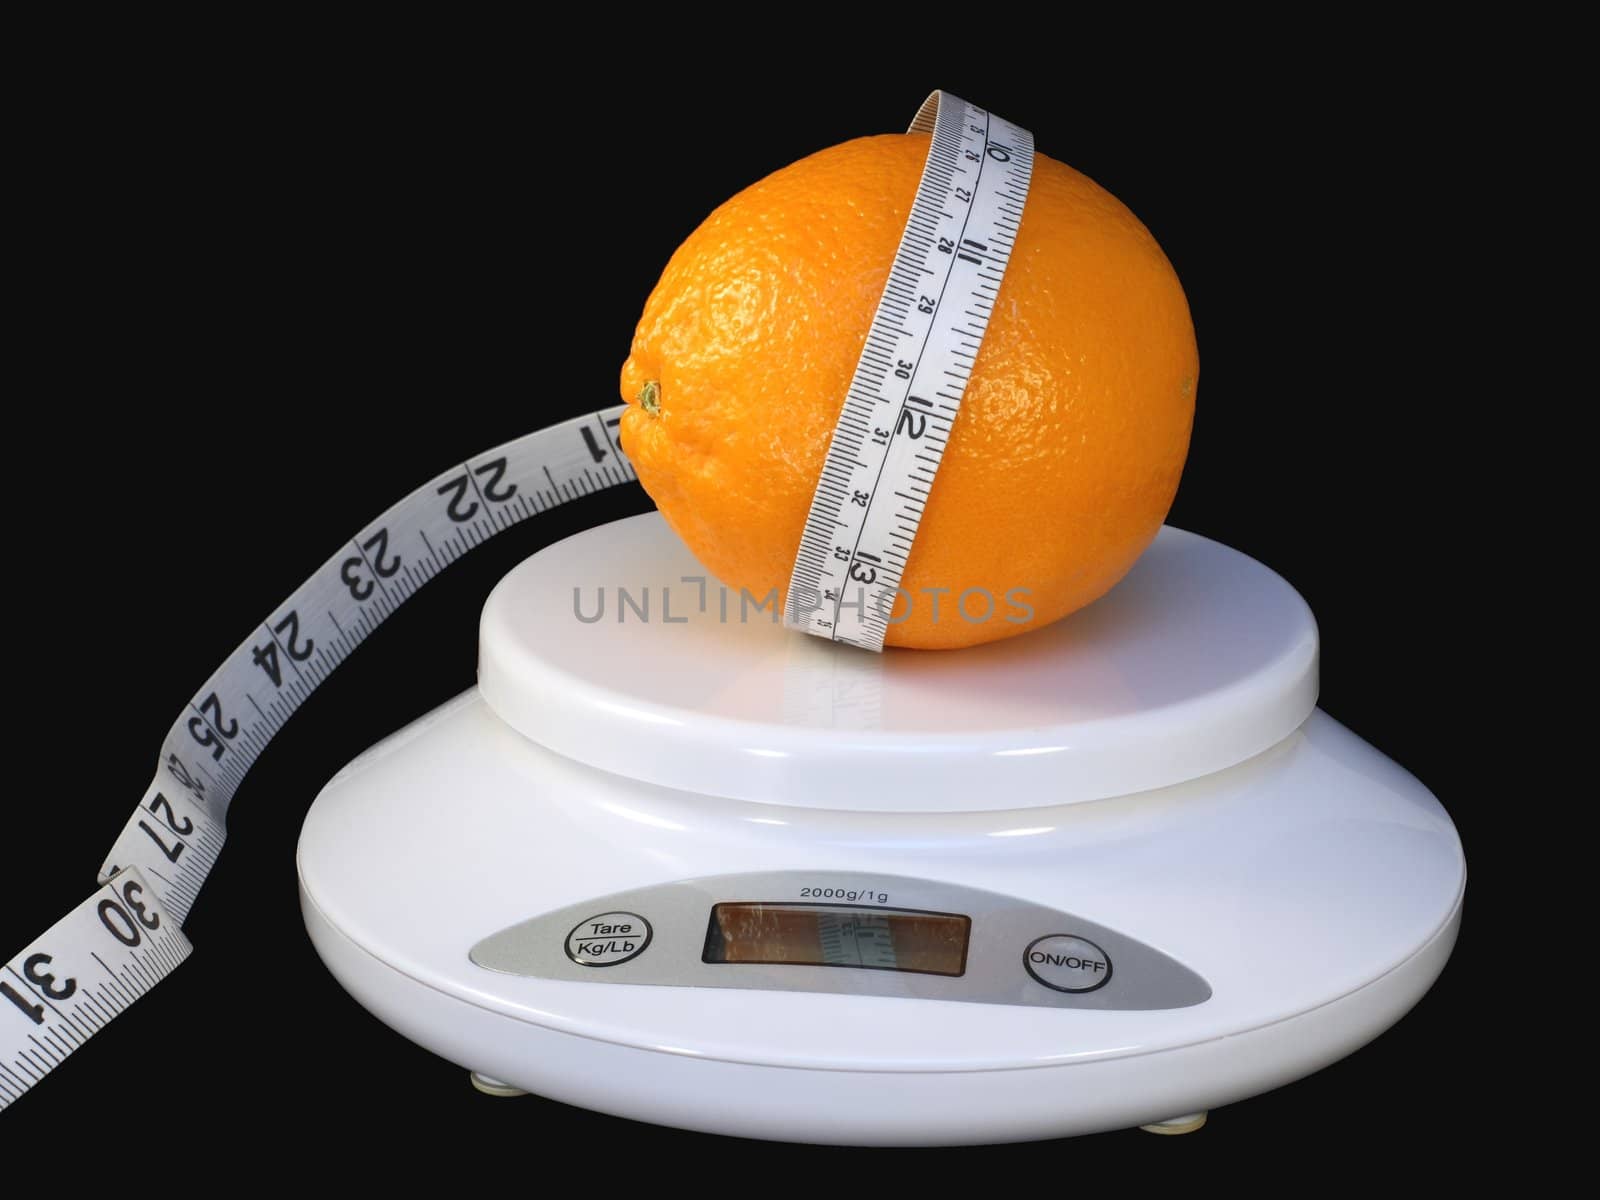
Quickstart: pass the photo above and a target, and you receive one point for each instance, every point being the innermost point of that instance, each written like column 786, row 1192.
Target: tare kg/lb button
column 1067, row 963
column 608, row 939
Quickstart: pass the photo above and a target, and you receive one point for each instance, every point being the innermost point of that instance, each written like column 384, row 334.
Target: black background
column 261, row 302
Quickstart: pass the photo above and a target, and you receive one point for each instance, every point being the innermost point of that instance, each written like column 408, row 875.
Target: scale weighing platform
column 672, row 861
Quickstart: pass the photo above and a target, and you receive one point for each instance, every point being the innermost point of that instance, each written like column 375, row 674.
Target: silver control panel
column 825, row 931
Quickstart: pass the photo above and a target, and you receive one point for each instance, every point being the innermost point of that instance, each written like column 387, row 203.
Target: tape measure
column 88, row 967
column 912, row 374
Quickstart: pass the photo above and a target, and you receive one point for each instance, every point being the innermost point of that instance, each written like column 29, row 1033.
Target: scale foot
column 1185, row 1124
column 493, row 1087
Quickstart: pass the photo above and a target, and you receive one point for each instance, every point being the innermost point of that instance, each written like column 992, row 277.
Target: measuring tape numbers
column 912, row 373
column 121, row 941
column 87, row 968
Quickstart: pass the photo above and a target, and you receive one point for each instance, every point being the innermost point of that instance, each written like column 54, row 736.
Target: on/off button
column 1067, row 963
column 608, row 939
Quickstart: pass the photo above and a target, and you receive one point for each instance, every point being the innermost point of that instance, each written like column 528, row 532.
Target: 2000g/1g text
column 841, row 893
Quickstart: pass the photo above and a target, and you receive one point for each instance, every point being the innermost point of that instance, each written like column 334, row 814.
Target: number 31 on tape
column 87, row 968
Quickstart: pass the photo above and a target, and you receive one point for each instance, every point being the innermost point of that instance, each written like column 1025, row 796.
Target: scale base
column 1154, row 771
column 1168, row 1128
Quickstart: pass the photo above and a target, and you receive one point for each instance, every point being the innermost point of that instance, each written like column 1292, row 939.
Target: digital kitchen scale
column 672, row 861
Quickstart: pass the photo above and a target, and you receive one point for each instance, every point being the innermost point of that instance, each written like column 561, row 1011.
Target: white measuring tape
column 912, row 373
column 120, row 942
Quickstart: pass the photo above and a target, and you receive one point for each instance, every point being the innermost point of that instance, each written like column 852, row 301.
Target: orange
column 1064, row 458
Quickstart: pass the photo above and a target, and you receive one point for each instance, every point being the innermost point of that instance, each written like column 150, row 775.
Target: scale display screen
column 829, row 935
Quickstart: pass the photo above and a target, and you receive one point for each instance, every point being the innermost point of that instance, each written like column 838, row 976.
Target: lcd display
column 828, row 935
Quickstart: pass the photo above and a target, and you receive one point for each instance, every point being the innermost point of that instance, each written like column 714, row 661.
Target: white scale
column 674, row 861
column 704, row 872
